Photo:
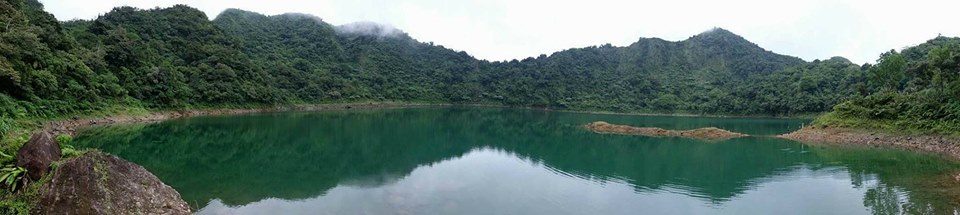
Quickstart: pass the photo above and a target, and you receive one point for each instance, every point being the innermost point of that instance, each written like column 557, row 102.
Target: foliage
column 66, row 148
column 889, row 71
column 176, row 58
column 916, row 92
column 64, row 140
column 14, row 207
column 5, row 158
column 12, row 176
column 6, row 125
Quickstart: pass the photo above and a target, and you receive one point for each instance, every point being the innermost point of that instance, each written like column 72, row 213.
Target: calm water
column 511, row 161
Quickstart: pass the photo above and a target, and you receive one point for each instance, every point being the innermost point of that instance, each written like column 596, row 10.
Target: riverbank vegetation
column 916, row 91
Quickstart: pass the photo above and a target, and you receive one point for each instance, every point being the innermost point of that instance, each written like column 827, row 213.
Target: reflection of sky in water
column 513, row 161
column 489, row 181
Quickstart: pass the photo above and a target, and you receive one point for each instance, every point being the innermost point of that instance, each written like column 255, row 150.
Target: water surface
column 514, row 161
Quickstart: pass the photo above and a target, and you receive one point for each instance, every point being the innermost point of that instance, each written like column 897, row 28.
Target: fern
column 12, row 176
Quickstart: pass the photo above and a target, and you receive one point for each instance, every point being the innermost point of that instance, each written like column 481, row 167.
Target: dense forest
column 178, row 58
column 916, row 90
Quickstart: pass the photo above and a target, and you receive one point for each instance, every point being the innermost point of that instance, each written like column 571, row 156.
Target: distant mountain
column 696, row 75
column 177, row 57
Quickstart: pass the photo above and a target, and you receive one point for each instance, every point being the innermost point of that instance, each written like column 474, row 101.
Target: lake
column 462, row 160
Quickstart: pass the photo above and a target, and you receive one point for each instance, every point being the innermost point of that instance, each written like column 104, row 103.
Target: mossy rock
column 100, row 183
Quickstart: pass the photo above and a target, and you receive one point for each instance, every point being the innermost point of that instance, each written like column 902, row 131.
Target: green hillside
column 177, row 57
column 913, row 91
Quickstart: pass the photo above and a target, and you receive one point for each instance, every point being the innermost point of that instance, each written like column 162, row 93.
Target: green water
column 514, row 161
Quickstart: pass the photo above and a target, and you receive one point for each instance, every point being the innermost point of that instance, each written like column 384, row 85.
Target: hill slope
column 176, row 57
column 914, row 91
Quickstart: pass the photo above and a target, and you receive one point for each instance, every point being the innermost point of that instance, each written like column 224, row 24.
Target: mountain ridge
column 177, row 57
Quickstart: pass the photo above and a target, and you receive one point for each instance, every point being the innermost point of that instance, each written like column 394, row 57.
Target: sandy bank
column 709, row 133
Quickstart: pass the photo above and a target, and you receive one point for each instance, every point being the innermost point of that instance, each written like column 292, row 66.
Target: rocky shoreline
column 937, row 144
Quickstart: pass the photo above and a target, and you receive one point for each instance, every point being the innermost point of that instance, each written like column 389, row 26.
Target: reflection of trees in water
column 301, row 155
column 897, row 182
column 882, row 199
column 290, row 156
column 887, row 199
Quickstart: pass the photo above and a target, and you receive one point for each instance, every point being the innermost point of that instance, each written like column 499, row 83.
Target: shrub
column 64, row 140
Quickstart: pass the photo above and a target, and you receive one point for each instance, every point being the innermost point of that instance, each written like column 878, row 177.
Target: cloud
column 368, row 29
column 510, row 29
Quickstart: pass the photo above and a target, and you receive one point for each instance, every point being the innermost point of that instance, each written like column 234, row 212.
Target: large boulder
column 37, row 154
column 100, row 183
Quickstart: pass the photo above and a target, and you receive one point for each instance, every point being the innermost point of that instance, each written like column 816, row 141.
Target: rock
column 37, row 154
column 100, row 183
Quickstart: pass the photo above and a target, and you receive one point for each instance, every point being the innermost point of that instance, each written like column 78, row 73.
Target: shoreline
column 71, row 125
column 947, row 146
column 798, row 116
column 937, row 144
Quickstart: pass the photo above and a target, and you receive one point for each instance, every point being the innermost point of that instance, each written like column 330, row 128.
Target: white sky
column 507, row 29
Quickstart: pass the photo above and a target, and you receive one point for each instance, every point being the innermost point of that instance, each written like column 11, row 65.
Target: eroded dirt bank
column 947, row 146
column 709, row 133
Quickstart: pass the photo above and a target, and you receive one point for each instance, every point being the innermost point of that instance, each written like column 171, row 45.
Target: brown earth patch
column 944, row 145
column 708, row 133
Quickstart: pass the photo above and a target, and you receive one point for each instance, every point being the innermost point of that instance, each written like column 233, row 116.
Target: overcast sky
column 507, row 29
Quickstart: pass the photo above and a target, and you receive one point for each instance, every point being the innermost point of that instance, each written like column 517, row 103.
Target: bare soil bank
column 709, row 133
column 70, row 126
column 944, row 145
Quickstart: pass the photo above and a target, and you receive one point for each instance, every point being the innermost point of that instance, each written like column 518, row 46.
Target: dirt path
column 709, row 133
column 948, row 146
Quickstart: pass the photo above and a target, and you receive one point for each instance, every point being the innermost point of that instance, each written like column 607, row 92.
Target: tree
column 888, row 74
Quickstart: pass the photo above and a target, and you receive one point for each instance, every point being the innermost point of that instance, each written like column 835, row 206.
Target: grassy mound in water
column 708, row 133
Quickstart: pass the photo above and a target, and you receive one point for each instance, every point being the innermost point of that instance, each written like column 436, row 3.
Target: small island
column 708, row 133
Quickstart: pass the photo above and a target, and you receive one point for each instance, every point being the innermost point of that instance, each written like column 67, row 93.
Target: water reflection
column 457, row 160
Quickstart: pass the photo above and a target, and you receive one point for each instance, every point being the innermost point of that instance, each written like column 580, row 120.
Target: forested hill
column 178, row 58
column 913, row 91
